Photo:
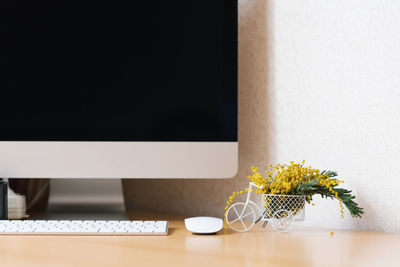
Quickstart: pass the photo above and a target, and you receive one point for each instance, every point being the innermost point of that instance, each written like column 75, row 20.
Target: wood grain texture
column 303, row 246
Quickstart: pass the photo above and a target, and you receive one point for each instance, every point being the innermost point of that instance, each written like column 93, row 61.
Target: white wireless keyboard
column 85, row 227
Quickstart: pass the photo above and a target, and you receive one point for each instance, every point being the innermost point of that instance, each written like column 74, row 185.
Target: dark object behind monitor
column 3, row 201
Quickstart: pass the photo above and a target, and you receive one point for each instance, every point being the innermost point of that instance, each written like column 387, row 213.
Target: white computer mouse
column 203, row 225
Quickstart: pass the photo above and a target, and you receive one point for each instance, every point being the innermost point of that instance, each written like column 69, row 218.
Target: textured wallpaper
column 318, row 80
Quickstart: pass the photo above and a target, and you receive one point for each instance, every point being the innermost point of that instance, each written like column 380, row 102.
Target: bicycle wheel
column 282, row 221
column 240, row 217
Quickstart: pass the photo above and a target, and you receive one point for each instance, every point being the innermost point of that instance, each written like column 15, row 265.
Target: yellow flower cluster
column 283, row 178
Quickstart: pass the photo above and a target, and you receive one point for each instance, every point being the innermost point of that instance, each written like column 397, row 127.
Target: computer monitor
column 118, row 89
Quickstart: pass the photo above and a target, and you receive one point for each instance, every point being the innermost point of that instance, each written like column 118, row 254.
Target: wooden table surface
column 302, row 246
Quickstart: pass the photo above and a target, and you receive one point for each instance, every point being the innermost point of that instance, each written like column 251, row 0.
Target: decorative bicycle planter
column 280, row 210
column 296, row 183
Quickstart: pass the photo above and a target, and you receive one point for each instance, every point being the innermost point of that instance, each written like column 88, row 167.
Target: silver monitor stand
column 86, row 199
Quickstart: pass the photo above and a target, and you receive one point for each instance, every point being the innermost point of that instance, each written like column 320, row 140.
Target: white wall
column 319, row 80
column 336, row 78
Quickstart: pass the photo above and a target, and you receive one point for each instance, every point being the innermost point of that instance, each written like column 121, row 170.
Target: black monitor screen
column 95, row 70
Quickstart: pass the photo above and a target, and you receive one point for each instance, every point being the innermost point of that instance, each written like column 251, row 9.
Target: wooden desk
column 300, row 247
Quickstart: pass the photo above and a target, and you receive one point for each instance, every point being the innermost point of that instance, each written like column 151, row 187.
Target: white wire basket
column 289, row 205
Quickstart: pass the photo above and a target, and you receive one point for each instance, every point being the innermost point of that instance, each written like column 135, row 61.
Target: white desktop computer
column 118, row 89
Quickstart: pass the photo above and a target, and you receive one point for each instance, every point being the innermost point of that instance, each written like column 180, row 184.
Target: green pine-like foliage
column 311, row 188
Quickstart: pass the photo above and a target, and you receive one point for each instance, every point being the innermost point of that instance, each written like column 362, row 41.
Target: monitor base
column 85, row 199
